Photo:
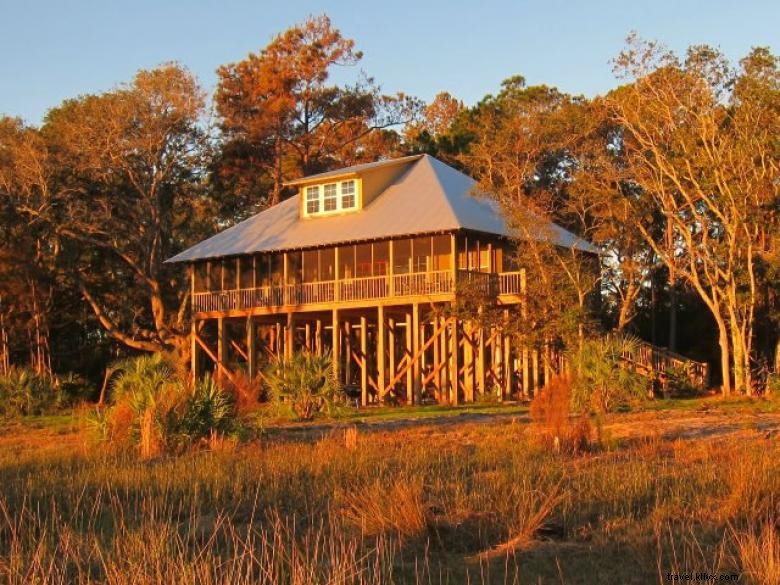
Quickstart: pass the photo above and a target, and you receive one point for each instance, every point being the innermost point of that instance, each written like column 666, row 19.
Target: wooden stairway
column 662, row 364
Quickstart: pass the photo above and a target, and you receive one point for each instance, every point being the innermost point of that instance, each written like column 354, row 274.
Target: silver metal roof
column 356, row 169
column 427, row 197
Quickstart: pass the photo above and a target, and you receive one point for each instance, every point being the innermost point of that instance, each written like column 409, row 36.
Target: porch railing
column 509, row 283
column 346, row 290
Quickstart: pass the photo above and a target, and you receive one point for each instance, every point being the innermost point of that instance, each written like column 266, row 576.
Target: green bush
column 156, row 411
column 24, row 392
column 603, row 380
column 206, row 410
column 303, row 385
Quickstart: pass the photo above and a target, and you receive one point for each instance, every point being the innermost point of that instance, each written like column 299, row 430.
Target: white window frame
column 312, row 201
column 352, row 194
column 331, row 198
column 315, row 207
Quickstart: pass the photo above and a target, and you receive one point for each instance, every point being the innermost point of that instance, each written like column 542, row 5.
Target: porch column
column 289, row 337
column 409, row 365
column 194, row 350
column 363, row 361
column 336, row 329
column 468, row 361
column 391, row 346
column 221, row 349
column 507, row 356
column 380, row 350
column 481, row 361
column 454, row 362
column 416, row 348
column 251, row 347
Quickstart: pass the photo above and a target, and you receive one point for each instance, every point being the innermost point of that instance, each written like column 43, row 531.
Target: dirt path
column 666, row 425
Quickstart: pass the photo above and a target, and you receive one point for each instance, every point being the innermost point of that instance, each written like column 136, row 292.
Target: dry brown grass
column 758, row 552
column 551, row 410
column 478, row 503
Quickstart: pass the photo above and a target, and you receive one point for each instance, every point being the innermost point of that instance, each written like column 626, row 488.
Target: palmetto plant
column 156, row 410
column 208, row 409
column 23, row 392
column 304, row 383
column 603, row 379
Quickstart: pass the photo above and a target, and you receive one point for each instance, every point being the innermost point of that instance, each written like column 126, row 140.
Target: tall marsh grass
column 473, row 505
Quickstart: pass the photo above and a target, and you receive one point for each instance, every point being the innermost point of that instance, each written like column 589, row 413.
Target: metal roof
column 427, row 197
column 355, row 169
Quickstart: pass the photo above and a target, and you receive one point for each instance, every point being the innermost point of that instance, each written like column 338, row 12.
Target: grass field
column 429, row 496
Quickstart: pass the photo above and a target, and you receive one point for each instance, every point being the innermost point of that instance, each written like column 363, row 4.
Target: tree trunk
column 725, row 355
column 672, row 316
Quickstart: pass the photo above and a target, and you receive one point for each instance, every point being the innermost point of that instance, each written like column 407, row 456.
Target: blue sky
column 53, row 50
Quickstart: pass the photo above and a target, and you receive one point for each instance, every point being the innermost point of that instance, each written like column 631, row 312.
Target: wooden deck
column 348, row 291
column 663, row 364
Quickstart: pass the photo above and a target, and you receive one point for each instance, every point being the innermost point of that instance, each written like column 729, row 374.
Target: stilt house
column 361, row 263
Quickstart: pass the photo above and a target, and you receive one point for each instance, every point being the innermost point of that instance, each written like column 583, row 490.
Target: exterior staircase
column 664, row 365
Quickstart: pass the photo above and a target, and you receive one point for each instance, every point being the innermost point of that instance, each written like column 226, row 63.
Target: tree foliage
column 280, row 116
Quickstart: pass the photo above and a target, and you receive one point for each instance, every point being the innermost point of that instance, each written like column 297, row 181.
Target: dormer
column 347, row 190
column 331, row 197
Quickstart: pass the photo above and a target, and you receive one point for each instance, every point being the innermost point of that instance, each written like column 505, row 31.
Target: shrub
column 304, row 384
column 24, row 392
column 773, row 384
column 603, row 380
column 207, row 410
column 153, row 409
column 551, row 409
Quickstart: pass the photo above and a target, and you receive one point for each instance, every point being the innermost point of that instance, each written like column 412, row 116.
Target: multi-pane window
column 348, row 194
column 329, row 199
column 313, row 199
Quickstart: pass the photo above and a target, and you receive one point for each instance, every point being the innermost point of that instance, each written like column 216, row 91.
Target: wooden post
column 468, row 362
column 481, row 361
column 454, row 362
column 444, row 356
column 279, row 341
column 318, row 337
column 307, row 337
column 391, row 273
column 194, row 350
column 347, row 352
column 380, row 350
column 336, row 329
column 416, row 347
column 363, row 361
column 454, row 254
column 336, row 285
column 409, row 355
column 507, row 357
column 391, row 346
column 221, row 349
column 284, row 279
column 289, row 341
column 437, row 363
column 251, row 347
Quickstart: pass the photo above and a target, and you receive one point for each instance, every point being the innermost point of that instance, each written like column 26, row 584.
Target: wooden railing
column 482, row 283
column 663, row 363
column 510, row 283
column 352, row 289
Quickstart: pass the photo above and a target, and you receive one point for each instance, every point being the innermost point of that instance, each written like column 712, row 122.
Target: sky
column 54, row 50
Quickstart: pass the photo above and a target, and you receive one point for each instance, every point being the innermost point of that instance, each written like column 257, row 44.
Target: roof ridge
column 428, row 158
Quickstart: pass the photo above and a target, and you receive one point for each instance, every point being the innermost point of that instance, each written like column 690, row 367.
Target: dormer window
column 330, row 198
column 312, row 200
column 347, row 194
